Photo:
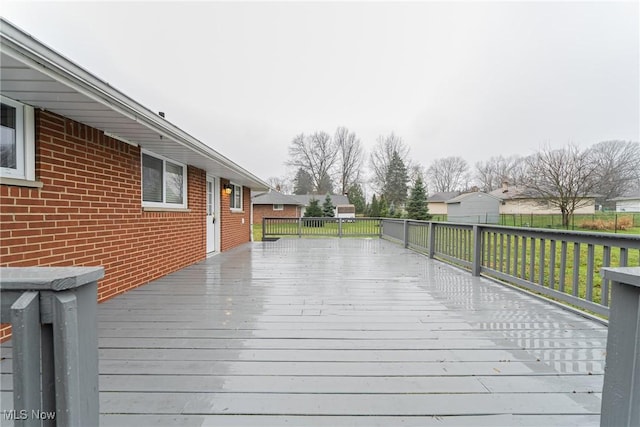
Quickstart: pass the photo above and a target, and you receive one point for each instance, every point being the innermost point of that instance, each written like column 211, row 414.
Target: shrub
column 624, row 223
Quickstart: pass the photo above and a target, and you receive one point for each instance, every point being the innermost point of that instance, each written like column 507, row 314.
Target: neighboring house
column 520, row 200
column 274, row 204
column 437, row 202
column 90, row 177
column 345, row 211
column 476, row 208
column 336, row 200
column 628, row 203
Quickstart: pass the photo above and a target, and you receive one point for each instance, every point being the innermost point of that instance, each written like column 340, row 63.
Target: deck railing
column 563, row 265
column 320, row 227
column 52, row 311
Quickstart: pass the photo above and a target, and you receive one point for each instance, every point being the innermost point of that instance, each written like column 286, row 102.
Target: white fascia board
column 28, row 50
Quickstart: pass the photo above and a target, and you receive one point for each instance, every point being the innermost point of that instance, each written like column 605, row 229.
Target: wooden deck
column 340, row 332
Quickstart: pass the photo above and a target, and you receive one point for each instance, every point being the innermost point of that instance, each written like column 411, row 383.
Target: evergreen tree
column 325, row 185
column 302, row 183
column 384, row 207
column 392, row 210
column 327, row 207
column 313, row 210
column 417, row 205
column 395, row 189
column 374, row 209
column 356, row 198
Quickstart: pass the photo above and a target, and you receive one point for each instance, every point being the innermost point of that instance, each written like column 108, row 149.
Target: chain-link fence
column 601, row 221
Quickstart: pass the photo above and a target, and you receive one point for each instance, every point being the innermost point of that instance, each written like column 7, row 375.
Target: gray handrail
column 621, row 390
column 556, row 263
column 52, row 311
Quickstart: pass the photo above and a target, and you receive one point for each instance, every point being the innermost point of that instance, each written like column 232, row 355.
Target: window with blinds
column 163, row 182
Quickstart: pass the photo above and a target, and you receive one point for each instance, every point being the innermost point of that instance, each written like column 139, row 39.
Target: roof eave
column 27, row 49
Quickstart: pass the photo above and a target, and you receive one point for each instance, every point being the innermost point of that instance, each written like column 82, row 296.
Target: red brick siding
column 89, row 212
column 261, row 211
column 234, row 231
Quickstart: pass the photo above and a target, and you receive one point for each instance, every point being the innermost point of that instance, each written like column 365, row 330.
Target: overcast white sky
column 470, row 79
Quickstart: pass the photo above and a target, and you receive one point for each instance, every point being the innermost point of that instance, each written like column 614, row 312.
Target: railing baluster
column 523, row 264
column 532, row 259
column 576, row 269
column 563, row 265
column 590, row 256
column 495, row 248
column 624, row 258
column 543, row 247
column 552, row 264
column 501, row 252
column 516, row 245
column 508, row 260
column 606, row 262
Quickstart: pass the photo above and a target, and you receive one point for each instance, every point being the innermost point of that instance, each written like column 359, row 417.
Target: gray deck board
column 339, row 333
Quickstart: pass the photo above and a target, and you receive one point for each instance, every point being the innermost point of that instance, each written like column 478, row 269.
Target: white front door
column 211, row 214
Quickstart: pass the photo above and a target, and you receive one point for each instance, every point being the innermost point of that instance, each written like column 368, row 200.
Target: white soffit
column 32, row 73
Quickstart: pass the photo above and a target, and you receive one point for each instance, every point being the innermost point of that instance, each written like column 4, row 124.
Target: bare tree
column 417, row 171
column 381, row 156
column 491, row 174
column 317, row 155
column 617, row 168
column 350, row 158
column 448, row 174
column 280, row 184
column 563, row 178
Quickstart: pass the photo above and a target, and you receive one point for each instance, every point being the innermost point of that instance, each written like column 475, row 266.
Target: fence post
column 432, row 240
column 477, row 250
column 264, row 228
column 621, row 391
column 56, row 306
column 339, row 227
column 300, row 228
column 25, row 323
column 405, row 233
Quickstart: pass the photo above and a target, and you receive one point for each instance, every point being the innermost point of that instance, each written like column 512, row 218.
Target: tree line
column 327, row 164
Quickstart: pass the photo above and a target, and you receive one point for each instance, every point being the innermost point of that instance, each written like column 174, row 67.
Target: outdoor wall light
column 227, row 188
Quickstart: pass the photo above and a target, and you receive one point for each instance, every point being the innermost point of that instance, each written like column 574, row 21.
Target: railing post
column 621, row 391
column 25, row 325
column 264, row 227
column 53, row 310
column 477, row 250
column 432, row 240
column 339, row 227
column 299, row 227
column 405, row 233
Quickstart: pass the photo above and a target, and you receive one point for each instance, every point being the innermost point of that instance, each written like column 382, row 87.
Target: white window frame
column 164, row 204
column 25, row 142
column 235, row 188
column 278, row 207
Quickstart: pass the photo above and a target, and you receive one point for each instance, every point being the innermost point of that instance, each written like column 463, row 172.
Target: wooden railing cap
column 47, row 278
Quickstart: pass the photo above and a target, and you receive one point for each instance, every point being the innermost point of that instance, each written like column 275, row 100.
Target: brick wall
column 261, row 211
column 235, row 231
column 89, row 212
